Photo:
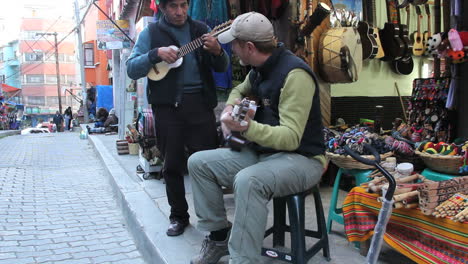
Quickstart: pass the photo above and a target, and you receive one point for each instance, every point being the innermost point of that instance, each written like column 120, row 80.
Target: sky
column 11, row 12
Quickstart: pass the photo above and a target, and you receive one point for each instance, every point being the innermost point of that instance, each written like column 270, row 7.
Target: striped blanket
column 422, row 238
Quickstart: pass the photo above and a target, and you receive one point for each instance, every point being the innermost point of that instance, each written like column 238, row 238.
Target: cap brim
column 225, row 37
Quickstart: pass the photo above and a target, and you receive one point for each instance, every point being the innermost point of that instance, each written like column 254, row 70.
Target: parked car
column 34, row 130
column 50, row 126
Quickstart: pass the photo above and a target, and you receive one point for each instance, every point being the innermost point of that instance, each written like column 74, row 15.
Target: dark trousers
column 181, row 131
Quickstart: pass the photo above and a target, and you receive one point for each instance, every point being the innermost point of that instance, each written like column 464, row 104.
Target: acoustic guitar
column 369, row 43
column 405, row 3
column 235, row 140
column 427, row 34
column 418, row 44
column 392, row 44
column 371, row 18
column 160, row 70
column 405, row 64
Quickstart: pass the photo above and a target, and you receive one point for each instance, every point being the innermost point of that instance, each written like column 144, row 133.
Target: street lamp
column 56, row 66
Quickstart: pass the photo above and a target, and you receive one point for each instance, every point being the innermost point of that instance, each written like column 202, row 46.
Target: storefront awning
column 9, row 89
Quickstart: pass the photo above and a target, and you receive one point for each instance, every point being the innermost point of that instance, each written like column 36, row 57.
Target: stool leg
column 297, row 226
column 323, row 233
column 279, row 221
column 334, row 200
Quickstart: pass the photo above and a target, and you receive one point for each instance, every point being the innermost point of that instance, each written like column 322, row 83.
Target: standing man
column 183, row 100
column 58, row 121
column 68, row 116
column 286, row 153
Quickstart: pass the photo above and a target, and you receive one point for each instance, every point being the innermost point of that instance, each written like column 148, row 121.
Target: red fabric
column 154, row 6
column 8, row 89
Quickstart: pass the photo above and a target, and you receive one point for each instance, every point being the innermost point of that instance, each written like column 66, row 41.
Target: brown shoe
column 211, row 251
column 177, row 227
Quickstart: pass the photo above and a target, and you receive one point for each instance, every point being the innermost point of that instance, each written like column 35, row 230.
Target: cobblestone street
column 56, row 204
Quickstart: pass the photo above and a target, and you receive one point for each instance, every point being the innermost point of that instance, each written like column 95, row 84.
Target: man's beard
column 242, row 63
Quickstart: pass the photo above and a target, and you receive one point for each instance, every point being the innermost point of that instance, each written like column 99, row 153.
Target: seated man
column 101, row 117
column 286, row 150
column 110, row 125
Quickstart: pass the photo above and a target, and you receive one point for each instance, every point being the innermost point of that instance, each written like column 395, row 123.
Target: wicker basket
column 347, row 162
column 442, row 163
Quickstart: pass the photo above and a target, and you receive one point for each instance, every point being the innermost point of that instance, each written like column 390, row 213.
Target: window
column 36, row 100
column 52, row 79
column 30, row 35
column 34, row 78
column 52, row 100
column 34, row 56
column 88, row 54
column 1, row 56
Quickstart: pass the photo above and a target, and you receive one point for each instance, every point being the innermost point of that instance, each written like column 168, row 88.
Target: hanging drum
column 340, row 55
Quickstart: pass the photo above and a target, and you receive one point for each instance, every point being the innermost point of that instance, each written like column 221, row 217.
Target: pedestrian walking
column 58, row 121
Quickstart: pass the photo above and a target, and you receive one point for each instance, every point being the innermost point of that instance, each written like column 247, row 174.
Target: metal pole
column 81, row 60
column 57, row 67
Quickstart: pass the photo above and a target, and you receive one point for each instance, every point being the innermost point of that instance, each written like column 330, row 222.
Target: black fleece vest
column 169, row 90
column 267, row 82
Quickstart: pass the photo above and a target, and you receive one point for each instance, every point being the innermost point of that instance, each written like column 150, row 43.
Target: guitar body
column 392, row 44
column 418, row 45
column 380, row 51
column 426, row 37
column 369, row 44
column 405, row 64
column 160, row 70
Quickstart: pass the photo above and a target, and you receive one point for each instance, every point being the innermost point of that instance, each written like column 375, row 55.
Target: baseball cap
column 250, row 26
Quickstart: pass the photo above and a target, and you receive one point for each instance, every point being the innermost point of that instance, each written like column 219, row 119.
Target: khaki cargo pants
column 255, row 179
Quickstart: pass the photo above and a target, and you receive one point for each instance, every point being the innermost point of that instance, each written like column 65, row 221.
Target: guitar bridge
column 155, row 68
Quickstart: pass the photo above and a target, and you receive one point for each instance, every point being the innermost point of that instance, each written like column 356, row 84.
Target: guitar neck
column 189, row 47
column 408, row 15
column 419, row 24
column 393, row 16
column 371, row 12
column 197, row 43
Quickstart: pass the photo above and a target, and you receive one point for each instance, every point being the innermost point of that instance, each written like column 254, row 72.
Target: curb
column 145, row 220
column 137, row 207
column 6, row 133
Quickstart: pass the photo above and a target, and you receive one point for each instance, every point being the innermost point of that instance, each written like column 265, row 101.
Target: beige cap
column 250, row 26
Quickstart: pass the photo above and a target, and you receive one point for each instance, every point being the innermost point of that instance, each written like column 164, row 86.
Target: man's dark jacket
column 169, row 90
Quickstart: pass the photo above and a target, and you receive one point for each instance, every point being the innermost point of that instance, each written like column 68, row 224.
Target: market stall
column 422, row 238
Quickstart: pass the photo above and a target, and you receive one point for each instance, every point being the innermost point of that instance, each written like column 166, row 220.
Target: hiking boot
column 211, row 251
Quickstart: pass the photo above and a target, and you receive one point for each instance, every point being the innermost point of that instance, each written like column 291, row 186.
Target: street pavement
column 146, row 210
column 56, row 204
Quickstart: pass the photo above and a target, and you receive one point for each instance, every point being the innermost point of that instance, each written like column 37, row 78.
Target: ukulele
column 392, row 44
column 235, row 140
column 372, row 20
column 368, row 41
column 160, row 70
column 418, row 44
column 405, row 64
column 427, row 34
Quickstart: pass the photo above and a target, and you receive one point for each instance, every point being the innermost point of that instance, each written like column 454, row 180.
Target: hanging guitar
column 370, row 47
column 235, row 140
column 160, row 70
column 405, row 64
column 427, row 34
column 371, row 19
column 392, row 44
column 418, row 43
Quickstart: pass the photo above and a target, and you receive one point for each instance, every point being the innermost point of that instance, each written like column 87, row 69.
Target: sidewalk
column 146, row 211
column 6, row 133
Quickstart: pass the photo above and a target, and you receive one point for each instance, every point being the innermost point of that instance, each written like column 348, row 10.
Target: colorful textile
column 422, row 238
